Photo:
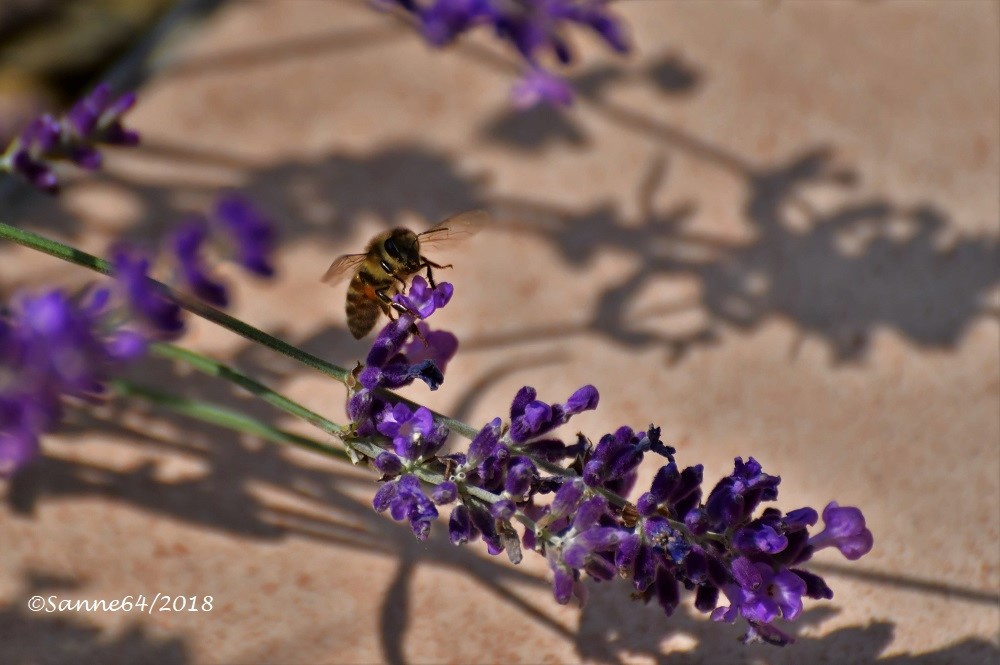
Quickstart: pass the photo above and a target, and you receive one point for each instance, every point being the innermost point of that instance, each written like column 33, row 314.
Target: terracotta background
column 772, row 231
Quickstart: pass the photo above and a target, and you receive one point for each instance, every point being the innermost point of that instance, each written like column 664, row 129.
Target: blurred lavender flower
column 159, row 317
column 249, row 231
column 540, row 86
column 237, row 229
column 187, row 242
column 54, row 345
column 534, row 28
column 93, row 121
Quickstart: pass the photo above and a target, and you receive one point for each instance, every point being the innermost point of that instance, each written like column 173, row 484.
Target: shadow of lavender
column 43, row 638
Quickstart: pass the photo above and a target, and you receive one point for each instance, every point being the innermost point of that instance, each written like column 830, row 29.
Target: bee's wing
column 342, row 267
column 457, row 227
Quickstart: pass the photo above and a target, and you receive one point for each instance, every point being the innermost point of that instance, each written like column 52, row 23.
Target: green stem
column 234, row 420
column 215, row 368
column 223, row 417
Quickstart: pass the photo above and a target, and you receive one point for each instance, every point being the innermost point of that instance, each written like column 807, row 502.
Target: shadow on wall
column 62, row 638
column 700, row 640
column 306, row 500
column 838, row 274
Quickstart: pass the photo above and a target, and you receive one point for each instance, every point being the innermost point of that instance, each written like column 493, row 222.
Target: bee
column 390, row 258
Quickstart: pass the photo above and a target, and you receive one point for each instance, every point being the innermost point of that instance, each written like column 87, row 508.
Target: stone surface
column 773, row 231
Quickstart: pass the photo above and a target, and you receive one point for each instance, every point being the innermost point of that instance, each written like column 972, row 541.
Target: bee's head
column 404, row 246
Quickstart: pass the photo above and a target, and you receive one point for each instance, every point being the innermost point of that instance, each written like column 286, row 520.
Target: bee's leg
column 427, row 263
column 387, row 304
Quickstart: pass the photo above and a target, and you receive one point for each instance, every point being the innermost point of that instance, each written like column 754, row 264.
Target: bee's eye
column 391, row 249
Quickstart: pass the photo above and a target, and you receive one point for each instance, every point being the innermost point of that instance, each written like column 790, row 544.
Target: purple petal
column 589, row 512
column 584, row 399
column 567, row 499
column 384, row 496
column 787, row 590
column 444, row 493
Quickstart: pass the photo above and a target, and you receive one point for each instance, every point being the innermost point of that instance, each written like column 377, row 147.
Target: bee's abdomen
column 363, row 304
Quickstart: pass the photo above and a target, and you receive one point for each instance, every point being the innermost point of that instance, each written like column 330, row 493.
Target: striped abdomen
column 363, row 301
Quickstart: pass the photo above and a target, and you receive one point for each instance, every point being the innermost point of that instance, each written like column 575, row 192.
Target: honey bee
column 388, row 261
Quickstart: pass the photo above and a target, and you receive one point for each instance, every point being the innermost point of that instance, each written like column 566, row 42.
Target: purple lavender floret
column 618, row 455
column 736, row 496
column 388, row 366
column 251, row 234
column 187, row 242
column 54, row 345
column 531, row 418
column 414, row 434
column 93, row 121
column 405, row 500
column 534, row 28
column 422, row 300
column 96, row 118
column 158, row 316
column 438, row 346
column 760, row 594
column 585, row 545
column 844, row 529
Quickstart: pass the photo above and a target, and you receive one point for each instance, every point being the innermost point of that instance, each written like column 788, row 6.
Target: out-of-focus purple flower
column 187, row 242
column 844, row 528
column 61, row 342
column 251, row 234
column 531, row 418
column 28, row 154
column 443, row 20
column 96, row 118
column 422, row 300
column 538, row 86
column 157, row 315
column 54, row 345
column 93, row 121
column 532, row 27
column 405, row 500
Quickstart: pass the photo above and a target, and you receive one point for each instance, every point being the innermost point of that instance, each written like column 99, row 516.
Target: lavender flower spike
column 94, row 120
